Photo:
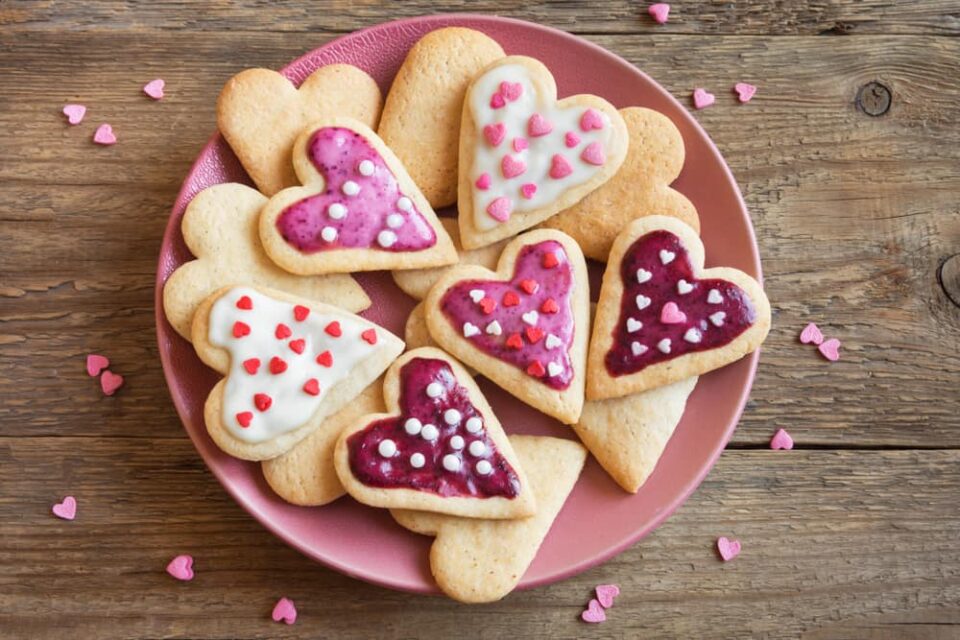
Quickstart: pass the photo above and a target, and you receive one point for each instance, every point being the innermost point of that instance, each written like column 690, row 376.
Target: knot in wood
column 949, row 277
column 874, row 98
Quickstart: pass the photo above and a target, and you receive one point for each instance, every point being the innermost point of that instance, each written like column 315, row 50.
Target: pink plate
column 599, row 520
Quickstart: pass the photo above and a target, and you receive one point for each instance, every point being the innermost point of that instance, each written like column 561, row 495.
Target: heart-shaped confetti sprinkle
column 659, row 12
column 728, row 549
column 594, row 613
column 96, row 364
column 66, row 510
column 104, row 135
column 702, row 98
column 74, row 113
column 606, row 593
column 494, row 133
column 744, row 91
column 811, row 334
column 593, row 154
column 110, row 382
column 781, row 440
column 284, row 611
column 830, row 349
column 154, row 89
column 181, row 567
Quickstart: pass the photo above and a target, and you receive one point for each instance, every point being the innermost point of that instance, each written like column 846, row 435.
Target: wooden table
column 849, row 159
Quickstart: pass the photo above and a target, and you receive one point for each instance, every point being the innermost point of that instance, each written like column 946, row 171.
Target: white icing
column 386, row 238
column 554, row 369
column 434, row 390
column 350, row 188
column 336, row 211
column 387, row 448
column 664, row 345
column 637, row 348
column 474, row 424
column 329, row 234
column 666, row 257
column 484, row 468
column 714, row 297
column 451, row 462
column 494, row 328
column 692, row 335
column 404, row 203
column 429, row 432
column 477, row 448
column 366, row 168
column 451, row 417
column 457, row 443
column 394, row 220
column 717, row 318
column 412, row 426
column 642, row 302
column 633, row 325
column 531, row 317
column 643, row 276
column 417, row 461
column 291, row 406
column 684, row 287
column 470, row 330
column 477, row 294
column 537, row 156
column 552, row 342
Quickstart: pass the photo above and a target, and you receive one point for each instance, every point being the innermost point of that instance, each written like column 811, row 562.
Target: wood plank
column 763, row 17
column 834, row 544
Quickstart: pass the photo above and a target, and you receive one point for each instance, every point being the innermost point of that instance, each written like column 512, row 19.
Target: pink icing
column 337, row 154
column 540, row 290
column 559, row 167
column 538, row 126
column 494, row 133
column 591, row 119
column 594, row 154
column 512, row 167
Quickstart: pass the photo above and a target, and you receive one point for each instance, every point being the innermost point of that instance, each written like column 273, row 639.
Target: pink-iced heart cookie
column 561, row 150
column 104, row 135
column 659, row 11
column 728, row 549
column 702, row 98
column 811, row 334
column 110, row 382
column 606, row 594
column 66, row 510
column 284, row 611
column 744, row 91
column 74, row 113
column 358, row 209
column 662, row 317
column 830, row 349
column 96, row 364
column 522, row 326
column 781, row 440
column 439, row 447
column 181, row 567
column 594, row 613
column 154, row 89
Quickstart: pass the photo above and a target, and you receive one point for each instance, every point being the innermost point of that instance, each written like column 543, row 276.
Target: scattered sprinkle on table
column 781, row 440
column 104, row 135
column 659, row 12
column 154, row 89
column 181, row 567
column 284, row 611
column 728, row 549
column 744, row 91
column 702, row 98
column 74, row 113
column 66, row 510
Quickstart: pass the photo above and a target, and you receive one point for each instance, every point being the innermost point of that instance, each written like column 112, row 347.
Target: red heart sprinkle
column 510, row 299
column 515, row 341
column 300, row 312
column 488, row 305
column 370, row 335
column 536, row 369
column 550, row 260
column 312, row 387
column 252, row 365
column 549, row 306
column 333, row 329
column 262, row 401
column 110, row 382
column 245, row 303
column 530, row 286
column 277, row 365
column 297, row 346
column 325, row 359
column 96, row 364
column 240, row 329
column 244, row 418
column 283, row 332
column 534, row 334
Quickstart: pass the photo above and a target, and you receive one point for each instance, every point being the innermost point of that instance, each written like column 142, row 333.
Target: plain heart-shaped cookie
column 220, row 229
column 523, row 326
column 438, row 448
column 662, row 317
column 357, row 211
column 289, row 363
column 524, row 155
column 261, row 113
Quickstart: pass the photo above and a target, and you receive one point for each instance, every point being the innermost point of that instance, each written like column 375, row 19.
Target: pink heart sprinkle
column 538, row 126
column 512, row 167
column 591, row 119
column 659, row 12
column 66, row 510
column 729, row 549
column 494, row 133
column 500, row 209
column 181, row 567
column 284, row 611
column 593, row 154
column 74, row 113
column 571, row 139
column 702, row 99
column 110, row 382
column 781, row 440
column 511, row 90
column 154, row 89
column 483, row 182
column 671, row 314
column 528, row 190
column 559, row 167
column 744, row 91
column 594, row 613
column 519, row 144
column 104, row 135
column 606, row 593
column 830, row 349
column 96, row 364
column 497, row 101
column 811, row 333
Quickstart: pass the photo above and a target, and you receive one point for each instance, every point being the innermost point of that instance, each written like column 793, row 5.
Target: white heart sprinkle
column 643, row 275
column 666, row 257
column 412, row 426
column 350, row 188
column 404, row 203
column 386, row 238
column 642, row 302
column 717, row 318
column 336, row 211
column 554, row 369
column 470, row 329
column 394, row 220
column 451, row 462
column 714, row 297
column 531, row 317
column 692, row 335
column 684, row 287
column 365, row 168
column 494, row 328
column 434, row 389
column 474, row 424
column 329, row 234
column 552, row 341
column 637, row 348
column 664, row 345
column 417, row 460
column 477, row 295
column 633, row 325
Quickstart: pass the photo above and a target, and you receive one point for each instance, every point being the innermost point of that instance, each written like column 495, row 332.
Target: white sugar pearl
column 412, row 426
column 350, row 188
column 714, row 297
column 477, row 448
column 404, row 204
column 417, row 460
column 451, row 462
column 429, row 432
column 434, row 389
column 394, row 220
column 642, row 302
column 365, row 168
column 457, row 443
column 386, row 238
column 664, row 345
column 387, row 448
column 336, row 211
column 329, row 234
column 474, row 424
column 643, row 275
column 484, row 468
column 451, row 417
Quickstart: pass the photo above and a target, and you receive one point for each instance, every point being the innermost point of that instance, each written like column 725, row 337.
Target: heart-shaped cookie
column 640, row 188
column 261, row 113
column 357, row 211
column 524, row 155
column 439, row 448
column 289, row 363
column 663, row 318
column 220, row 228
column 483, row 560
column 524, row 326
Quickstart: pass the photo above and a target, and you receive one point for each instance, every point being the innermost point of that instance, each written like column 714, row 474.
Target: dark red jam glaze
column 373, row 470
column 661, row 289
column 553, row 282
